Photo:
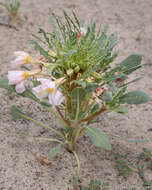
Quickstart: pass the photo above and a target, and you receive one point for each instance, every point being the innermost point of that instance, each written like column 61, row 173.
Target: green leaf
column 107, row 96
column 46, row 37
column 16, row 113
column 135, row 140
column 41, row 50
column 84, row 188
column 78, row 94
column 4, row 84
column 131, row 63
column 28, row 94
column 36, row 83
column 95, row 108
column 99, row 138
column 135, row 80
column 54, row 151
column 91, row 87
column 135, row 97
column 121, row 109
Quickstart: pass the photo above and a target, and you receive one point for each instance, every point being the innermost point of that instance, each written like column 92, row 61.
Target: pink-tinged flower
column 56, row 98
column 17, row 78
column 21, row 59
column 82, row 32
column 42, row 91
column 48, row 88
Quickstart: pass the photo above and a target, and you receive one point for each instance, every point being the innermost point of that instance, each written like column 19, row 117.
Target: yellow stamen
column 41, row 93
column 27, row 59
column 25, row 74
column 50, row 90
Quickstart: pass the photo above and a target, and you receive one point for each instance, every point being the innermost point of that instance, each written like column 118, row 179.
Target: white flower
column 43, row 90
column 48, row 88
column 20, row 88
column 56, row 98
column 17, row 78
column 21, row 59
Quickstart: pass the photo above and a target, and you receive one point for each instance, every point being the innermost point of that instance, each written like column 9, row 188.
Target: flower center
column 50, row 90
column 25, row 74
column 27, row 59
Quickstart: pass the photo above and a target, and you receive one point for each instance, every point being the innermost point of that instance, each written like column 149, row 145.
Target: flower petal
column 21, row 53
column 15, row 77
column 56, row 98
column 39, row 92
column 20, row 88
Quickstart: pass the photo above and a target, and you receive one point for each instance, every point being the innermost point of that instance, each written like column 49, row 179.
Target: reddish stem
column 62, row 116
column 88, row 119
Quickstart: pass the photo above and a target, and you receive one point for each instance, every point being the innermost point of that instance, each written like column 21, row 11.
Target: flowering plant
column 74, row 80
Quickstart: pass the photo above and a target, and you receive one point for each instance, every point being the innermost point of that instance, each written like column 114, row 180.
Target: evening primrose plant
column 74, row 80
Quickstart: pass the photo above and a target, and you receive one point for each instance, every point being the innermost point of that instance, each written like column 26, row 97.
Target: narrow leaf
column 41, row 50
column 16, row 113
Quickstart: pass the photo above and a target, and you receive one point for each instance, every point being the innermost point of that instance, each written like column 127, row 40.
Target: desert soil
column 19, row 170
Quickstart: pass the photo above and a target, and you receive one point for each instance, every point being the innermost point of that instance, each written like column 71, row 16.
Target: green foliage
column 145, row 163
column 41, row 50
column 12, row 8
column 130, row 64
column 99, row 138
column 4, row 84
column 16, row 113
column 94, row 185
column 107, row 96
column 123, row 165
column 78, row 94
column 54, row 151
column 135, row 97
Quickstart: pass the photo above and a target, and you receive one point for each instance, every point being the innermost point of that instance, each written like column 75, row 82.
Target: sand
column 131, row 20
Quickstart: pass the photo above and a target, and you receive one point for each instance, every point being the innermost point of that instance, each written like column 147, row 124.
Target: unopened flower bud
column 60, row 81
column 70, row 72
column 52, row 53
column 96, row 75
column 89, row 80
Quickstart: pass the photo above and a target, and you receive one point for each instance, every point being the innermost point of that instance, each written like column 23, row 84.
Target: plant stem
column 43, row 125
column 91, row 117
column 56, row 115
column 78, row 162
column 44, row 139
column 62, row 116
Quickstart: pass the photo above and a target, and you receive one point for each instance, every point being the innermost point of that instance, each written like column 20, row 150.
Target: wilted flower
column 17, row 78
column 22, row 58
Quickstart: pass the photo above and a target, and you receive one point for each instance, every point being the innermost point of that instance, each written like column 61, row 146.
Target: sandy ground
column 132, row 21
